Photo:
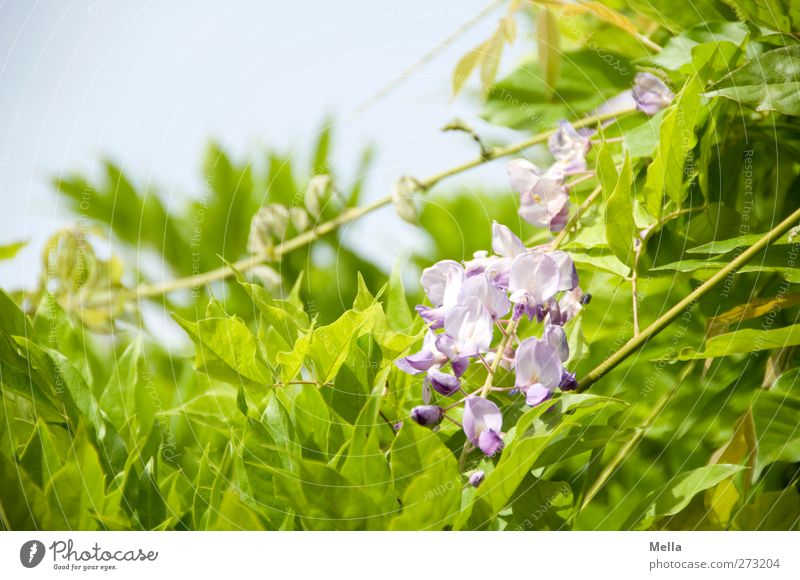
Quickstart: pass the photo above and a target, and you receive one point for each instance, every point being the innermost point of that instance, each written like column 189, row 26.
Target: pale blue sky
column 149, row 83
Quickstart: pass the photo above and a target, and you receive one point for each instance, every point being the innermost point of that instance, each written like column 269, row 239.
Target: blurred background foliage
column 110, row 425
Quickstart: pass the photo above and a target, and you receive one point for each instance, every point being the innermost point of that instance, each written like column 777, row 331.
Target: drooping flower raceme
column 466, row 302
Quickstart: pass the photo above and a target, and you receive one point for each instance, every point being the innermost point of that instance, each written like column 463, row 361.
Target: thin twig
column 640, row 339
column 352, row 214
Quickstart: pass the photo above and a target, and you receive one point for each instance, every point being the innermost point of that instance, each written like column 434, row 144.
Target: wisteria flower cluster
column 544, row 194
column 467, row 302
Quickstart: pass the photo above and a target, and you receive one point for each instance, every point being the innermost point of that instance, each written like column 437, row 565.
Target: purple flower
column 506, row 246
column 492, row 297
column 567, row 274
column 442, row 283
column 443, row 383
column 546, row 205
column 468, row 330
column 483, row 423
column 557, row 338
column 534, row 279
column 570, row 305
column 538, row 370
column 569, row 147
column 651, row 94
column 476, row 478
column 427, row 415
column 568, row 381
column 428, row 358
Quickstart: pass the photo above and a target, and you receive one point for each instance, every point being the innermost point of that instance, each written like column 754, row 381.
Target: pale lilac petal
column 443, row 383
column 505, row 243
column 568, row 146
column 480, row 262
column 480, row 415
column 476, row 478
column 416, row 363
column 447, row 346
column 524, row 174
column 567, row 274
column 490, row 442
column 493, row 298
column 536, row 394
column 620, row 103
column 651, row 94
column 459, row 365
column 557, row 338
column 560, row 218
column 570, row 305
column 534, row 275
column 435, row 278
column 537, row 362
column 499, row 271
column 471, row 327
column 434, row 317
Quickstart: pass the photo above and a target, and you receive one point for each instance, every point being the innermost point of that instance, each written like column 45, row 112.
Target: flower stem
column 641, row 338
column 559, row 239
column 501, row 349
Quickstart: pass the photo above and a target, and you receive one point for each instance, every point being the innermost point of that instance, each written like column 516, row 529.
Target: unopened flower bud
column 268, row 224
column 300, row 218
column 427, row 415
column 476, row 479
column 403, row 199
column 317, row 193
column 651, row 94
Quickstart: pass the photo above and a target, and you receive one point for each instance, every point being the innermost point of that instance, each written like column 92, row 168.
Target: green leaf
column 539, row 504
column 416, row 450
column 677, row 138
column 775, row 414
column 62, row 375
column 768, row 82
column 620, row 227
column 76, row 490
column 227, row 350
column 128, row 393
column 772, row 510
column 781, row 15
column 713, row 46
column 744, row 341
column 41, row 456
column 676, row 494
column 9, row 251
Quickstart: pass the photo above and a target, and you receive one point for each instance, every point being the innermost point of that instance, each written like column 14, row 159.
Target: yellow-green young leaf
column 10, row 250
column 491, row 58
column 548, row 44
column 742, row 448
column 466, row 65
column 620, row 228
column 676, row 139
column 607, row 173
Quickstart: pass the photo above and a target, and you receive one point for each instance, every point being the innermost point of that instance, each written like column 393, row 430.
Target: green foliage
column 277, row 405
